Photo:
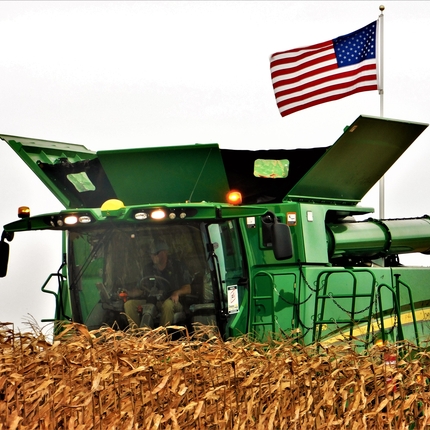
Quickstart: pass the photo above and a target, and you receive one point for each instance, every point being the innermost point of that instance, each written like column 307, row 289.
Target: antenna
column 200, row 174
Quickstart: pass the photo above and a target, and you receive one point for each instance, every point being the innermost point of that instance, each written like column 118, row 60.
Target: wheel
column 159, row 281
column 157, row 288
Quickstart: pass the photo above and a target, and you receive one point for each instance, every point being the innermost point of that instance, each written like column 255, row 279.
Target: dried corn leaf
column 142, row 380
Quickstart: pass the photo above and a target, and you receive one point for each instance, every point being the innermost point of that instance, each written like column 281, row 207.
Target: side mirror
column 4, row 258
column 281, row 241
column 277, row 236
column 4, row 253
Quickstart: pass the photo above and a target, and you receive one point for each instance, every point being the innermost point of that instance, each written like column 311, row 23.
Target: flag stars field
column 357, row 46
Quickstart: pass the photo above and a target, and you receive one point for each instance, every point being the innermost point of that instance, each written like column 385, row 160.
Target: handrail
column 396, row 300
column 411, row 302
column 60, row 277
column 59, row 305
column 353, row 295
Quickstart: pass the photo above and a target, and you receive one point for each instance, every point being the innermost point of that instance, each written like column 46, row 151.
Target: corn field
column 142, row 379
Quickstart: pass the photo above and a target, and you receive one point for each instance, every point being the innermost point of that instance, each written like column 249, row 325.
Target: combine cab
column 285, row 256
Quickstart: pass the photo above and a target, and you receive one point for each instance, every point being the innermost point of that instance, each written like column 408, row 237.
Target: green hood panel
column 166, row 174
column 356, row 162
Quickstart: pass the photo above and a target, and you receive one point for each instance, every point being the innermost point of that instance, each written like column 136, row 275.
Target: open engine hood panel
column 79, row 177
column 357, row 161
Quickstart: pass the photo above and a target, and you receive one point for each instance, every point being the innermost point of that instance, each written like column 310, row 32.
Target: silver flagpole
column 380, row 56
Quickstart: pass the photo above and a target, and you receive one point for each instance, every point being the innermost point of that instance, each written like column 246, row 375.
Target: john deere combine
column 274, row 240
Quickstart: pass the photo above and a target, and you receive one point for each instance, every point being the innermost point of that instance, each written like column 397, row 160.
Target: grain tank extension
column 294, row 254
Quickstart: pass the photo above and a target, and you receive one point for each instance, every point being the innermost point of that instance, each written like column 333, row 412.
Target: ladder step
column 342, row 296
column 261, row 323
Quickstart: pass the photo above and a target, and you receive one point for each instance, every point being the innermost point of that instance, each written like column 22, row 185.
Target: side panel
column 328, row 304
column 312, row 225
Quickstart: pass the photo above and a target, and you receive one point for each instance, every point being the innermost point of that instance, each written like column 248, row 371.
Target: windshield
column 125, row 274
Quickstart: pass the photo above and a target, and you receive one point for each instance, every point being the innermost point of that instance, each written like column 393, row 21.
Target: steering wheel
column 164, row 283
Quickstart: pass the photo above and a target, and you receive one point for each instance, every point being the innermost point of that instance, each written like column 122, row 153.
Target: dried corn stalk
column 109, row 379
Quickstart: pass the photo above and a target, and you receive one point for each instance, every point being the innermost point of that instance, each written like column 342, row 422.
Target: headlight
column 70, row 219
column 84, row 219
column 140, row 215
column 158, row 214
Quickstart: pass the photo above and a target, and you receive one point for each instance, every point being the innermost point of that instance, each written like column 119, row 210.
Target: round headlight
column 141, row 215
column 84, row 219
column 158, row 214
column 70, row 219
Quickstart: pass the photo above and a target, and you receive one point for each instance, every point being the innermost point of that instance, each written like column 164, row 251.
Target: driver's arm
column 185, row 289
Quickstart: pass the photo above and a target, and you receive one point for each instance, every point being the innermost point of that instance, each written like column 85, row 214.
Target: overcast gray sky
column 128, row 74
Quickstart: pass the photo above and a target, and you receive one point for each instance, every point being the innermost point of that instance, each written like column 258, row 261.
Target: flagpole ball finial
column 382, row 8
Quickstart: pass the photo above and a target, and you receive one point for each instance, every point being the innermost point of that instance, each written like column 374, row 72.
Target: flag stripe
column 298, row 70
column 305, row 77
column 304, row 56
column 324, row 77
column 296, row 53
column 306, row 74
column 360, row 81
column 328, row 98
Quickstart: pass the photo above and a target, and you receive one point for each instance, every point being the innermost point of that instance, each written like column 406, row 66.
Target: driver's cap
column 157, row 246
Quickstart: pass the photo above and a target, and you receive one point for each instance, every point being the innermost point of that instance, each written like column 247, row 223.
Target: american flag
column 308, row 76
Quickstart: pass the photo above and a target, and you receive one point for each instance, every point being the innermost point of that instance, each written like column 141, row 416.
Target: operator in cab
column 165, row 281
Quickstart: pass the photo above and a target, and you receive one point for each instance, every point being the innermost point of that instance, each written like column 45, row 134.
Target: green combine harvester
column 271, row 237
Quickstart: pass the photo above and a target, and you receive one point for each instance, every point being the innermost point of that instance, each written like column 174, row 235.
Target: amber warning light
column 234, row 198
column 23, row 212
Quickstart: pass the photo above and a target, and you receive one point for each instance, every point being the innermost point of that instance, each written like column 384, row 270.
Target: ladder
column 351, row 291
column 258, row 323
